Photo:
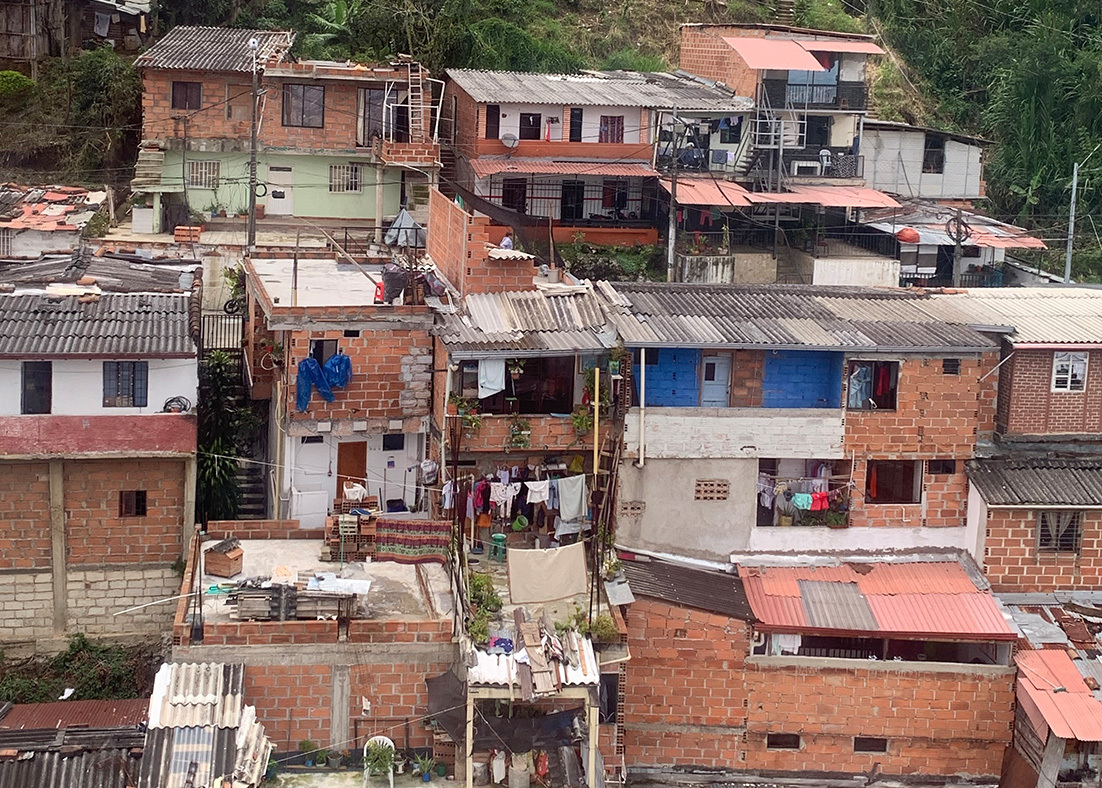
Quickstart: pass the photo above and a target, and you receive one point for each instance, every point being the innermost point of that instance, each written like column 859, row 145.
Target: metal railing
column 839, row 165
column 811, row 94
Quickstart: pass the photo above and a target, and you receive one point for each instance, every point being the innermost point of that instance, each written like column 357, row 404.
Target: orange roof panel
column 778, row 54
column 841, row 46
column 1053, row 685
column 484, row 167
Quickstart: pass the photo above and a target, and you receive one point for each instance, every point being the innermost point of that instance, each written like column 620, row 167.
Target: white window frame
column 1065, row 382
column 7, row 235
column 345, row 179
column 203, row 174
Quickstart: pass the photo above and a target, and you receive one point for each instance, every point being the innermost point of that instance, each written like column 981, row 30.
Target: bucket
column 519, row 778
column 480, row 773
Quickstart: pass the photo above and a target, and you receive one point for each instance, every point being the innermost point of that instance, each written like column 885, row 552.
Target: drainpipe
column 642, row 407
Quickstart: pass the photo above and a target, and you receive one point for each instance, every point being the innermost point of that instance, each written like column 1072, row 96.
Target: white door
column 715, row 391
column 281, row 183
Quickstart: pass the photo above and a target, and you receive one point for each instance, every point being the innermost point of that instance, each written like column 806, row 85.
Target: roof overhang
column 841, row 46
column 773, row 54
column 780, row 629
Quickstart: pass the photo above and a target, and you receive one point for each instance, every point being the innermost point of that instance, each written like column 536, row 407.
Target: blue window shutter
column 110, row 382
column 141, row 383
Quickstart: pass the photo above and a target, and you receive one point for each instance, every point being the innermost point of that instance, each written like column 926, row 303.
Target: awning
column 842, row 46
column 780, row 54
column 484, row 167
column 725, row 194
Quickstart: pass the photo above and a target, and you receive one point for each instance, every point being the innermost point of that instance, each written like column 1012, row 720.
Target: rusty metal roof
column 215, row 49
column 657, row 90
column 1053, row 694
column 114, row 273
column 911, row 599
column 110, row 324
column 650, row 314
column 48, row 208
column 528, row 322
column 685, row 586
column 74, row 714
column 1038, row 482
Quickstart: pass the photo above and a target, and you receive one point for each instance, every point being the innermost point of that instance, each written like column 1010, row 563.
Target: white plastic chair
column 385, row 742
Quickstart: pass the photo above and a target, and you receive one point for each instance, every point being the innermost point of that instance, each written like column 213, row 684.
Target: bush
column 15, row 89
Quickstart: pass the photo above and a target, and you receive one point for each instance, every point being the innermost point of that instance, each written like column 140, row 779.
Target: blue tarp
column 310, row 375
column 338, row 370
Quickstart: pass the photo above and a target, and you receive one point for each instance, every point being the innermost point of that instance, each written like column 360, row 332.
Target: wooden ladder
column 416, row 103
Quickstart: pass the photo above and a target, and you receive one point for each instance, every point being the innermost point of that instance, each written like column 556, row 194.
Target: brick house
column 1034, row 501
column 98, row 374
column 758, row 672
column 576, row 150
column 337, row 140
column 863, row 399
column 374, row 432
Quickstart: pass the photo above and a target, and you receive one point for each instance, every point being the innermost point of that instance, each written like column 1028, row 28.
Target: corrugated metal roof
column 840, row 45
column 197, row 694
column 658, row 90
column 48, row 208
column 781, row 54
column 918, row 598
column 716, row 592
column 846, row 318
column 75, row 714
column 835, row 606
column 500, row 670
column 529, row 320
column 114, row 324
column 1051, row 682
column 113, row 273
column 215, row 49
column 103, row 768
column 1038, row 315
column 485, row 166
column 696, row 190
column 1038, row 482
column 929, row 221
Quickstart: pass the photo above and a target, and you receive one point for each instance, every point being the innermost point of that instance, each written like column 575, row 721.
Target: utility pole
column 1071, row 222
column 671, row 239
column 780, row 170
column 958, row 251
column 254, row 45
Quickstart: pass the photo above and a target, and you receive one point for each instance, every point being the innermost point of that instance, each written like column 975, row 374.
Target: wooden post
column 591, row 768
column 468, row 744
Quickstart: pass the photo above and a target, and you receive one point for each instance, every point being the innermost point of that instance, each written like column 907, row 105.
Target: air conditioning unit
column 806, row 168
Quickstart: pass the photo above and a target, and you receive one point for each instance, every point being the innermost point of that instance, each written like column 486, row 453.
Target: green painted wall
column 311, row 195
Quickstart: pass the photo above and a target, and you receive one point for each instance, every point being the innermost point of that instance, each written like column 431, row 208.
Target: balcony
column 710, row 433
column 844, row 96
column 813, row 166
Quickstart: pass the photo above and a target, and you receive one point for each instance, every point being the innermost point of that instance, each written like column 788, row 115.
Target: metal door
column 281, row 182
column 715, row 390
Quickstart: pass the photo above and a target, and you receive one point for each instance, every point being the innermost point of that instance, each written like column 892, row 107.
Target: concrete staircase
column 252, row 487
column 149, row 168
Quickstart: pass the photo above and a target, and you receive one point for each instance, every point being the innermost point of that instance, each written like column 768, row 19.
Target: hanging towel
column 446, row 494
column 311, row 375
column 538, row 492
column 546, row 575
column 102, row 26
column 572, row 497
column 491, row 377
column 802, row 501
column 338, row 370
column 788, row 644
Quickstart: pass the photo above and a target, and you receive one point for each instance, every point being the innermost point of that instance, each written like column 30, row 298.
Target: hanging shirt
column 860, row 387
column 802, row 501
column 538, row 492
column 553, row 494
column 447, row 495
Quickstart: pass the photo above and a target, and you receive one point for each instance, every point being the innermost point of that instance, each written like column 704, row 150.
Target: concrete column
column 591, row 766
column 58, row 566
column 340, row 706
column 380, row 175
column 157, row 212
column 468, row 741
column 188, row 525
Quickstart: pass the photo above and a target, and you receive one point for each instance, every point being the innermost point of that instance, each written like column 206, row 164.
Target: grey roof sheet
column 108, row 325
column 197, row 694
column 1038, row 482
column 830, row 605
column 792, row 316
column 103, row 768
column 528, row 320
column 703, row 589
column 114, row 273
column 214, row 48
column 1053, row 314
column 170, row 751
column 657, row 90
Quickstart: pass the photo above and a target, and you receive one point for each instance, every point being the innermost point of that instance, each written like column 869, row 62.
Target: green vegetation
column 616, row 263
column 94, row 671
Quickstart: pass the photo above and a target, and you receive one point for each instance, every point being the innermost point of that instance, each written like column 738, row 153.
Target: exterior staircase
column 252, row 488
column 149, row 168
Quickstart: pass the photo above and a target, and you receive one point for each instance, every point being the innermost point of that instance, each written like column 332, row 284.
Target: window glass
column 893, row 481
column 132, row 503
column 493, row 121
column 612, row 129
column 187, row 95
column 1059, row 531
column 304, row 105
column 577, row 117
column 37, row 387
column 1069, row 371
column 125, row 384
column 531, row 124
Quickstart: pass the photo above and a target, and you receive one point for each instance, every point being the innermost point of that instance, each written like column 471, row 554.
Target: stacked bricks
column 25, row 515
column 746, row 378
column 1029, row 406
column 1013, row 564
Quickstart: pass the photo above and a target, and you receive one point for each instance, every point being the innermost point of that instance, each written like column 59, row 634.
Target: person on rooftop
column 507, row 241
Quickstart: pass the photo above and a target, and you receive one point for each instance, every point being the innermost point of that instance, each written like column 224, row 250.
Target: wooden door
column 351, row 464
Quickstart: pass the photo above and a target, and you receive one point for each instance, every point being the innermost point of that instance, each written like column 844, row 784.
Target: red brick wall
column 25, row 515
column 1030, row 407
column 391, row 375
column 292, row 701
column 95, row 532
column 746, row 377
column 549, row 433
column 261, row 529
column 1013, row 564
column 397, row 692
column 704, row 53
column 936, row 722
column 685, row 670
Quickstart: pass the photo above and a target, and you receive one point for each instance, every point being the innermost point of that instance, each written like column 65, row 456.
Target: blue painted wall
column 673, row 377
column 800, row 379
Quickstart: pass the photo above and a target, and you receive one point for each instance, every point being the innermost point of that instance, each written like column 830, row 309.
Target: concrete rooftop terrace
column 398, row 591
column 321, row 281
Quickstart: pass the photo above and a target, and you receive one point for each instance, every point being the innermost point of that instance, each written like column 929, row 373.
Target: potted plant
column 308, row 748
column 603, row 630
column 379, row 759
column 425, row 765
column 836, row 520
column 520, row 433
column 272, row 770
column 322, row 757
column 400, row 761
column 582, row 419
column 336, row 759
column 515, row 367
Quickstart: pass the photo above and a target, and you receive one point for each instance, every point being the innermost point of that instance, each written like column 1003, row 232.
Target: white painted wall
column 591, row 120
column 692, row 433
column 31, row 244
column 976, row 525
column 858, row 271
column 510, row 119
column 78, row 386
column 801, row 539
column 893, row 163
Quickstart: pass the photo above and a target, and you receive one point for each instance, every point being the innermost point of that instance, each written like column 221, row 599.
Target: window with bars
column 344, row 178
column 125, row 384
column 712, row 489
column 132, row 503
column 612, row 129
column 5, row 241
column 1059, row 531
column 203, row 174
column 1069, row 371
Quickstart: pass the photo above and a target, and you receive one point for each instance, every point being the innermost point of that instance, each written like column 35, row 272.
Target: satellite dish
column 510, row 140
